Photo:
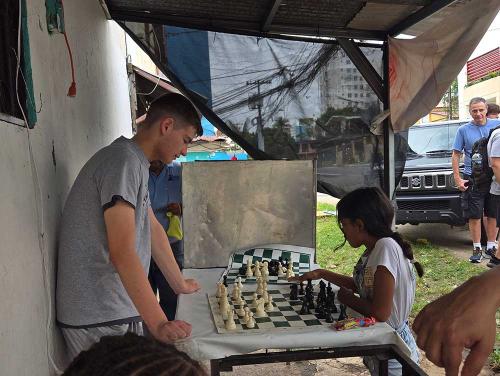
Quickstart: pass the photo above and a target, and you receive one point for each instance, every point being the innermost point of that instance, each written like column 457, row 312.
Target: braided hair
column 133, row 355
column 373, row 208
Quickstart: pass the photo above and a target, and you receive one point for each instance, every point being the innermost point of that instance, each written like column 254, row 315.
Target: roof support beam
column 241, row 27
column 364, row 66
column 419, row 15
column 270, row 16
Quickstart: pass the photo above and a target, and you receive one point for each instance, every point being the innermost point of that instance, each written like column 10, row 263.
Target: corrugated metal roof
column 363, row 19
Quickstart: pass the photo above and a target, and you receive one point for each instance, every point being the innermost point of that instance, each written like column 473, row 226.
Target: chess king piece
column 249, row 272
column 230, row 324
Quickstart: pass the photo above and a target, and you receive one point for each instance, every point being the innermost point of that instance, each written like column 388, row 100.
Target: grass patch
column 325, row 206
column 442, row 271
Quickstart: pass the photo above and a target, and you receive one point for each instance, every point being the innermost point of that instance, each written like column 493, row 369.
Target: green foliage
column 450, row 100
column 325, row 206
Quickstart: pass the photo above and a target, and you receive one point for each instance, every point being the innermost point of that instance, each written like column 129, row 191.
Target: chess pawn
column 257, row 272
column 235, row 292
column 239, row 301
column 265, row 269
column 240, row 311
column 281, row 272
column 260, row 287
column 269, row 305
column 254, row 301
column 247, row 315
column 265, row 296
column 240, row 285
column 289, row 271
column 251, row 321
column 249, row 272
column 260, row 311
column 230, row 324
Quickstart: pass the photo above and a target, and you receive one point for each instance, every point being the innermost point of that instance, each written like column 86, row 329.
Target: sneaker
column 493, row 262
column 477, row 256
column 491, row 252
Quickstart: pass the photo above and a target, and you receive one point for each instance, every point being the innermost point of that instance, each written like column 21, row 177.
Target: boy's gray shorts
column 78, row 340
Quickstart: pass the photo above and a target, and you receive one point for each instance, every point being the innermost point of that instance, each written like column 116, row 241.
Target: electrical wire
column 38, row 203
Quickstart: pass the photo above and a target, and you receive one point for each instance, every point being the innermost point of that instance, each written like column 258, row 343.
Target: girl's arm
column 335, row 278
column 383, row 292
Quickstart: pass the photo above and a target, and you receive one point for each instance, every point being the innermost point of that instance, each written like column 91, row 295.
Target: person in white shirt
column 384, row 277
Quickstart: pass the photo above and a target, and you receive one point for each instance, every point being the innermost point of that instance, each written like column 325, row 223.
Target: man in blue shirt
column 165, row 195
column 474, row 203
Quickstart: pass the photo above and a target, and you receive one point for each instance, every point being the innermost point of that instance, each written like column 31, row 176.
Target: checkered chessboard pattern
column 301, row 263
column 285, row 316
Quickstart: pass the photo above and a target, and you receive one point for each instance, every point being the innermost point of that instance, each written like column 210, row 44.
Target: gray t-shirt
column 494, row 151
column 89, row 289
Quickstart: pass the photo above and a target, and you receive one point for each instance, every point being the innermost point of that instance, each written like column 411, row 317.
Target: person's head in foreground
column 133, row 355
column 493, row 111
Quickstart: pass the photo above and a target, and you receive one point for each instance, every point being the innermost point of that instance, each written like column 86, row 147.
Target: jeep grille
column 424, row 181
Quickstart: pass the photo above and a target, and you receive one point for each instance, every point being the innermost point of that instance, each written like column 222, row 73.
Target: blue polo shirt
column 467, row 135
column 163, row 190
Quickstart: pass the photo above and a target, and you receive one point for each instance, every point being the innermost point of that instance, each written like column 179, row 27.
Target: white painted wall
column 68, row 132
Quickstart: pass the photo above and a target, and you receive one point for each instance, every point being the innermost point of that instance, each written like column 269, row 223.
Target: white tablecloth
column 205, row 343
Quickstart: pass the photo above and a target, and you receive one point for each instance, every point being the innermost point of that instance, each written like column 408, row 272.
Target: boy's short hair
column 175, row 105
column 493, row 109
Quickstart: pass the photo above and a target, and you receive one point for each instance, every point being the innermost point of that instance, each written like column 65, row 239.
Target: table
column 227, row 350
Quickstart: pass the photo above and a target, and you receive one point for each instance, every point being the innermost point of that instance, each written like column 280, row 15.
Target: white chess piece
column 260, row 311
column 257, row 272
column 240, row 285
column 289, row 271
column 239, row 300
column 254, row 301
column 269, row 305
column 223, row 291
column 265, row 296
column 235, row 292
column 230, row 324
column 247, row 316
column 225, row 313
column 219, row 289
column 249, row 272
column 281, row 272
column 265, row 269
column 223, row 303
column 251, row 321
column 240, row 311
column 260, row 287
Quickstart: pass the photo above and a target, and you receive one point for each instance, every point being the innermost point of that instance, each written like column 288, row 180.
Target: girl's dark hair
column 373, row 208
column 133, row 355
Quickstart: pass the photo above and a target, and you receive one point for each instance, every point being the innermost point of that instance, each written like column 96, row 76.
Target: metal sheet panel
column 239, row 204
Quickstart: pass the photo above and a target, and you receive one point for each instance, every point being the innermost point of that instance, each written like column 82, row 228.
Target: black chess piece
column 242, row 271
column 320, row 311
column 310, row 299
column 343, row 313
column 329, row 289
column 328, row 315
column 301, row 290
column 224, row 280
column 304, row 310
column 293, row 292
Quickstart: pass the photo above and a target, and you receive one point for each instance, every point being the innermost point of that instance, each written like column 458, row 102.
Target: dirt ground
column 454, row 239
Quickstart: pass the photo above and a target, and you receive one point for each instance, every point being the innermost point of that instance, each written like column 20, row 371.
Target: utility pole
column 255, row 102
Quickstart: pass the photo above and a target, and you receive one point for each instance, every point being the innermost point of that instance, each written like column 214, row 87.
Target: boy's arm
column 164, row 258
column 120, row 227
column 455, row 161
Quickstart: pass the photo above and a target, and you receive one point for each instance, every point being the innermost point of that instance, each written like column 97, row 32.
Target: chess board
column 301, row 263
column 285, row 316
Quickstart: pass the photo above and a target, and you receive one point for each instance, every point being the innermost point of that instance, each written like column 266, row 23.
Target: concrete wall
column 68, row 132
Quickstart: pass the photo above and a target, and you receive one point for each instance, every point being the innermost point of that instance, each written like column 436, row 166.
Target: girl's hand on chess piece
column 464, row 318
column 313, row 274
column 189, row 286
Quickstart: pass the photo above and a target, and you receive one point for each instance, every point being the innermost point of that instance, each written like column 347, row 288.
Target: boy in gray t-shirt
column 494, row 162
column 109, row 233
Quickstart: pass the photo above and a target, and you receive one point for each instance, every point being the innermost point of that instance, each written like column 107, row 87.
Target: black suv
column 427, row 192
